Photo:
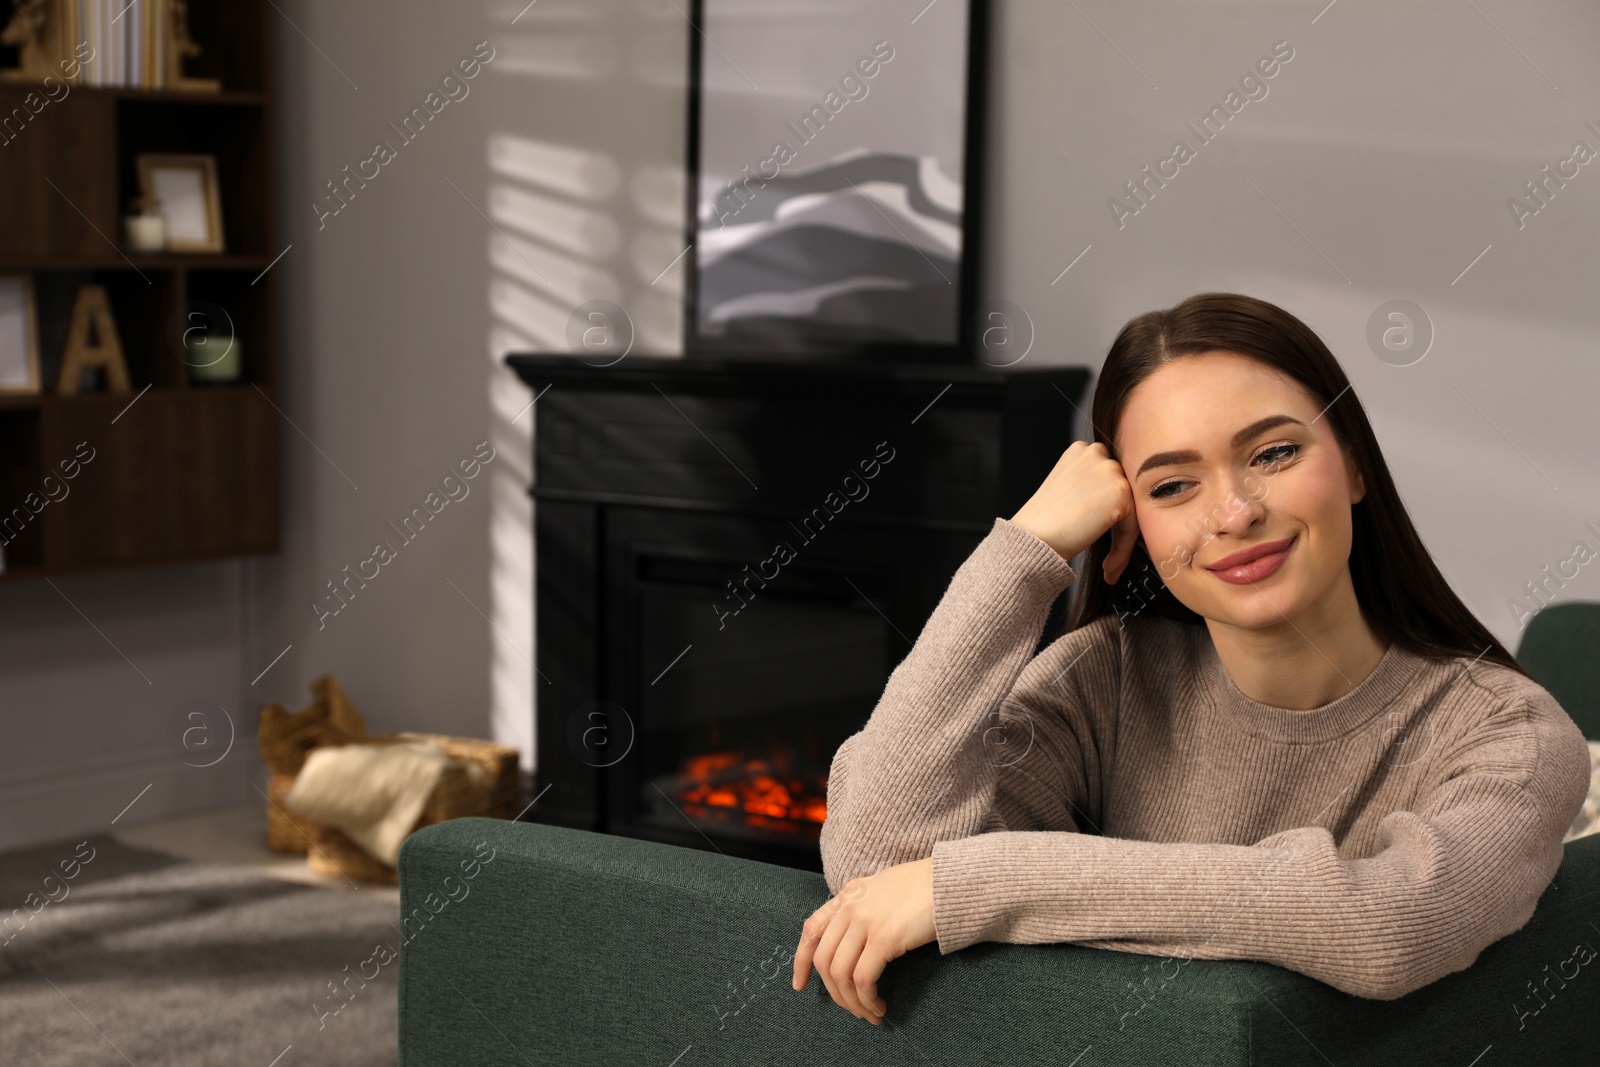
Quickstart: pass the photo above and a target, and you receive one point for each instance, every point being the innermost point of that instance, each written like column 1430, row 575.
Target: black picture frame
column 804, row 338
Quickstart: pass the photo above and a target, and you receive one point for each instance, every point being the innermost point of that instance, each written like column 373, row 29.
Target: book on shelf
column 128, row 42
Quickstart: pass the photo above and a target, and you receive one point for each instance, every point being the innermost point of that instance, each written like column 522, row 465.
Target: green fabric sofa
column 531, row 944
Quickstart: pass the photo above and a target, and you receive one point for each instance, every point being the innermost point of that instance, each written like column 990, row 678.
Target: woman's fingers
column 852, row 937
column 1074, row 505
column 842, row 969
column 811, row 936
column 1124, row 535
column 868, row 969
column 810, row 933
column 832, row 944
column 822, row 959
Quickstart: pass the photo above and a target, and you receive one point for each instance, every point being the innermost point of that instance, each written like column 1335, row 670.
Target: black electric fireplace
column 732, row 556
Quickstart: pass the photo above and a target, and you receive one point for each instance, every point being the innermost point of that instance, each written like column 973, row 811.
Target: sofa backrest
column 1561, row 650
column 526, row 943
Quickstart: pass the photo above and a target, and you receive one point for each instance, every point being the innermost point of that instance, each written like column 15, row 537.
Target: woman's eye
column 1160, row 491
column 1281, row 452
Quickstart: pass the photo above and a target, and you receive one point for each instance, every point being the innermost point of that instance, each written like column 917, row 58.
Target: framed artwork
column 833, row 170
column 191, row 204
column 19, row 335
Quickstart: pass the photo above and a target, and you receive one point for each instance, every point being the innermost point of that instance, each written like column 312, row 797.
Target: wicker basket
column 333, row 855
column 285, row 737
column 500, row 780
column 487, row 782
column 286, row 831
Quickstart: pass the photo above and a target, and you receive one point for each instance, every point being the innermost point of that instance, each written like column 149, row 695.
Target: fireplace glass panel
column 737, row 734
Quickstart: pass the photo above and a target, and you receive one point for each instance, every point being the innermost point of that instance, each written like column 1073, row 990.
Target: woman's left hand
column 854, row 935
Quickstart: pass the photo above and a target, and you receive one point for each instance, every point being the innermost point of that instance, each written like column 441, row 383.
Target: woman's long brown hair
column 1402, row 594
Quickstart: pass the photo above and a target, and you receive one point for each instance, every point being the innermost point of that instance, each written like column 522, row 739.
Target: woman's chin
column 1253, row 609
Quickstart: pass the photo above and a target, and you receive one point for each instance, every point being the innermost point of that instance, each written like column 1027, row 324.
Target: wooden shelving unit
column 189, row 471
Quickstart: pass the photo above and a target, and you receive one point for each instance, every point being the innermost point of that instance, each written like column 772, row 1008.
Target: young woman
column 1284, row 739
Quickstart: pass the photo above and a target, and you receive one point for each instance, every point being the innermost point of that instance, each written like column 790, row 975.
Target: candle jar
column 214, row 358
column 145, row 230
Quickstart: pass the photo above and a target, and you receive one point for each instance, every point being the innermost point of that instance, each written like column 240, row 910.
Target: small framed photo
column 19, row 336
column 191, row 202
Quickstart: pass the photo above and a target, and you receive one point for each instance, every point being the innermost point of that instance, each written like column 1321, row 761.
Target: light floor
column 235, row 837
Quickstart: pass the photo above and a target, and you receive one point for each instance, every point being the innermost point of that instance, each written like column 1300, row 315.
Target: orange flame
column 753, row 789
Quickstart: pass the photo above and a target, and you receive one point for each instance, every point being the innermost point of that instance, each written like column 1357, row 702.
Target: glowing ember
column 732, row 785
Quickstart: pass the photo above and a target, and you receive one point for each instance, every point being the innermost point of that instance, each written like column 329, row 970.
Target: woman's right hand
column 1084, row 495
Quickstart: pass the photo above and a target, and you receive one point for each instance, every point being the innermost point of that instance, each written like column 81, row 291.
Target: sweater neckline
column 1378, row 690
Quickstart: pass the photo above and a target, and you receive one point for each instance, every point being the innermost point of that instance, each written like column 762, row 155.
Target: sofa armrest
column 524, row 943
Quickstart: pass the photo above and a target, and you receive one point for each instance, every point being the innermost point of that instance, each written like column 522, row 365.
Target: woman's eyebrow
column 1189, row 455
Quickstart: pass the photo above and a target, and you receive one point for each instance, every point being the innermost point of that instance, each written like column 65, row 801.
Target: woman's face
column 1226, row 455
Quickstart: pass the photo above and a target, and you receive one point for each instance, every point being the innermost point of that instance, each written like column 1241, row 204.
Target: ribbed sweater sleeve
column 1461, row 869
column 924, row 767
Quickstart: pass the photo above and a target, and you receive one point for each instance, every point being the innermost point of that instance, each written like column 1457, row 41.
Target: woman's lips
column 1256, row 569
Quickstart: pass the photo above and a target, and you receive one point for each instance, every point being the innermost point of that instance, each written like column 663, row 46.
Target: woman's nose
column 1236, row 511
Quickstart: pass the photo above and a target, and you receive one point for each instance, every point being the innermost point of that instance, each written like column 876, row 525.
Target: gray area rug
column 145, row 959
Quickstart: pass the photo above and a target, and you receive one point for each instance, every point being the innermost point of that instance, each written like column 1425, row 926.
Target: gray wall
column 1378, row 166
column 87, row 698
column 554, row 180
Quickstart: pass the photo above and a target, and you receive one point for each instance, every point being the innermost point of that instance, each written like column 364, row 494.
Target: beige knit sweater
column 1117, row 790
